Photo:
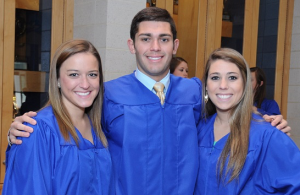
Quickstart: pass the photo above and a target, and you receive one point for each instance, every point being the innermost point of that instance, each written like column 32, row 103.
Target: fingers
column 275, row 119
column 27, row 117
column 15, row 141
column 17, row 126
column 279, row 122
column 281, row 125
column 30, row 114
column 286, row 129
column 17, row 129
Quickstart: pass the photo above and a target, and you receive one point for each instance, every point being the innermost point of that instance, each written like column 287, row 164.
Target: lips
column 83, row 93
column 223, row 96
column 155, row 58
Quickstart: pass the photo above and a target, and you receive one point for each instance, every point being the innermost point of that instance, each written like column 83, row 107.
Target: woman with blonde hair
column 67, row 152
column 239, row 152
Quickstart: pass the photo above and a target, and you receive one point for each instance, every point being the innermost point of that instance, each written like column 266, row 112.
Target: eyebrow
column 70, row 70
column 160, row 35
column 226, row 73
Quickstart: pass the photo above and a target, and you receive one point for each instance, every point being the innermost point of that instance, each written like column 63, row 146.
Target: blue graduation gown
column 46, row 164
column 269, row 107
column 272, row 165
column 153, row 147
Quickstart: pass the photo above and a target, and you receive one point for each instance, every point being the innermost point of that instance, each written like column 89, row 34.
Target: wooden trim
column 62, row 23
column 7, row 75
column 28, row 4
column 57, row 25
column 201, row 38
column 282, row 18
column 287, row 55
column 213, row 26
column 187, row 27
column 2, row 145
column 165, row 4
column 68, row 19
column 251, row 31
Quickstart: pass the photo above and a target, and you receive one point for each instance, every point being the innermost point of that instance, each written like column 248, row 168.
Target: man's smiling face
column 154, row 48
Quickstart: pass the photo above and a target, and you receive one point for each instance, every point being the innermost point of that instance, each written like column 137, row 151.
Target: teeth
column 224, row 96
column 80, row 93
column 154, row 58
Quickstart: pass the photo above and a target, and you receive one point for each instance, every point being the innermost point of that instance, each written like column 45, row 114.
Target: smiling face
column 224, row 85
column 181, row 70
column 79, row 81
column 153, row 47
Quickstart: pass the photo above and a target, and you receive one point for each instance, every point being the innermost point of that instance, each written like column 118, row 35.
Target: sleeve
column 30, row 165
column 198, row 105
column 270, row 108
column 278, row 167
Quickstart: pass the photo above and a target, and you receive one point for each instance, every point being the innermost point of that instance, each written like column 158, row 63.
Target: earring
column 58, row 84
column 206, row 97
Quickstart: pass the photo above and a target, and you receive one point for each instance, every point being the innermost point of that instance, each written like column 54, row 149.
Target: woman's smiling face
column 224, row 85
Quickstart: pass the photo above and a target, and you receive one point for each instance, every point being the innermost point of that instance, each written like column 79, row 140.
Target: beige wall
column 106, row 23
column 293, row 114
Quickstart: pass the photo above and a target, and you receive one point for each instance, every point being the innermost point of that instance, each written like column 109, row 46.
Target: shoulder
column 192, row 82
column 46, row 123
column 184, row 91
column 269, row 102
column 262, row 133
column 119, row 83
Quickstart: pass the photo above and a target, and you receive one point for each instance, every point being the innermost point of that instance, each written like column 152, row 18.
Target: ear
column 130, row 45
column 261, row 83
column 175, row 47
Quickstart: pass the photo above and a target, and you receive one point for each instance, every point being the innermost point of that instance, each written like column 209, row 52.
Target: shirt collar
column 149, row 82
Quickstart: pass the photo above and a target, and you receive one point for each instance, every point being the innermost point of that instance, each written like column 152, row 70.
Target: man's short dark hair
column 152, row 14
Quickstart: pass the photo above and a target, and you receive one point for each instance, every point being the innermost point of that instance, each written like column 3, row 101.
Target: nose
column 223, row 84
column 84, row 83
column 185, row 74
column 155, row 45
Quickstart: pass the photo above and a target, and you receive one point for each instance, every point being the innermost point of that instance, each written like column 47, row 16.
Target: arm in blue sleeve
column 30, row 168
column 278, row 168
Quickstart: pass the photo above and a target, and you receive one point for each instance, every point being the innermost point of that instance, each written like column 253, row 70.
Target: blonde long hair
column 236, row 147
column 62, row 115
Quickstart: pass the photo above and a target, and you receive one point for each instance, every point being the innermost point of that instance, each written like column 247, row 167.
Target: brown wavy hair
column 236, row 147
column 67, row 129
column 259, row 91
column 175, row 62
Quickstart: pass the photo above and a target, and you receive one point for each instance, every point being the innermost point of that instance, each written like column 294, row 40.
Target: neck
column 157, row 78
column 221, row 125
column 223, row 117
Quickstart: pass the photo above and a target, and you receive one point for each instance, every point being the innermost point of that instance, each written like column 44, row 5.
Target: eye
column 145, row 39
column 233, row 78
column 164, row 39
column 93, row 75
column 214, row 78
column 73, row 74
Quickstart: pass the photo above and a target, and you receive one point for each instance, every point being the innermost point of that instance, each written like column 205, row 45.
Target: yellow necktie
column 159, row 88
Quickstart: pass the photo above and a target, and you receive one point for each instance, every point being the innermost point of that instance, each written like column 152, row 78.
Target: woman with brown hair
column 239, row 152
column 67, row 152
column 261, row 104
column 179, row 67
